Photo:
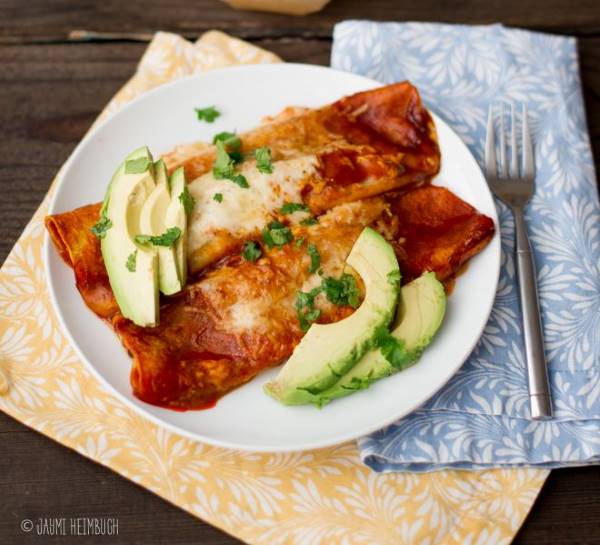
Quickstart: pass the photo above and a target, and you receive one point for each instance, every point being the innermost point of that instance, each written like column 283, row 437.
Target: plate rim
column 370, row 83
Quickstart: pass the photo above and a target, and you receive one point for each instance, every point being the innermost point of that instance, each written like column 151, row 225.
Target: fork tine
column 528, row 165
column 503, row 163
column 514, row 152
column 490, row 146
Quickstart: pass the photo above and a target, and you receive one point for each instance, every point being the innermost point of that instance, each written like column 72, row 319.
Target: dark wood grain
column 49, row 96
column 53, row 19
column 41, row 478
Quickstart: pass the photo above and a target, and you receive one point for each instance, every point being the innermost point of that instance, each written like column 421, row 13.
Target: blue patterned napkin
column 481, row 419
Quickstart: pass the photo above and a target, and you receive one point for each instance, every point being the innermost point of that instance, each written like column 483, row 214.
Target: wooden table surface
column 52, row 88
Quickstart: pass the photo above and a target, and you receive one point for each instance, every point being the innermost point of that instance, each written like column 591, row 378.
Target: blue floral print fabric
column 481, row 418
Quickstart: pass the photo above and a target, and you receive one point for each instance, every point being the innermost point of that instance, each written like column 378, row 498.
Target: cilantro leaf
column 137, row 166
column 315, row 258
column 341, row 291
column 240, row 180
column 168, row 238
column 237, row 157
column 185, row 198
column 231, row 140
column 207, row 114
column 223, row 167
column 305, row 309
column 101, row 227
column 131, row 259
column 263, row 160
column 232, row 145
column 281, row 236
column 276, row 234
column 267, row 238
column 143, row 239
column 291, row 207
column 310, row 317
column 392, row 349
column 299, row 242
column 393, row 278
column 251, row 251
column 218, row 197
column 309, row 221
column 306, row 299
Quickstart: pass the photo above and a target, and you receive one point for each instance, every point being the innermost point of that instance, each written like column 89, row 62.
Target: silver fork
column 515, row 191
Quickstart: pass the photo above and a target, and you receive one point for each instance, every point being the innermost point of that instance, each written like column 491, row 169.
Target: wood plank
column 567, row 511
column 53, row 19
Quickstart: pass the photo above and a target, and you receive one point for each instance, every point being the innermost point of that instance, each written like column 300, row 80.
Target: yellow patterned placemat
column 324, row 497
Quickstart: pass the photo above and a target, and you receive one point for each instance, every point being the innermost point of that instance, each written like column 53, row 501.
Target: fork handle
column 537, row 368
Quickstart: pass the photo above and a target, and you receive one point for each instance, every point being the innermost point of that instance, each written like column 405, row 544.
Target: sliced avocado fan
column 153, row 222
column 143, row 231
column 132, row 269
column 328, row 352
column 420, row 313
column 177, row 216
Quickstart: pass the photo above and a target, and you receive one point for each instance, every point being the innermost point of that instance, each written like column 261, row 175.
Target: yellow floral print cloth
column 324, row 497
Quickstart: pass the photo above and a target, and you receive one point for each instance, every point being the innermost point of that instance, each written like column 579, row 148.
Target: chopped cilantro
column 251, row 251
column 276, row 234
column 187, row 200
column 240, row 180
column 281, row 236
column 393, row 278
column 391, row 348
column 267, row 238
column 315, row 258
column 207, row 114
column 299, row 242
column 310, row 317
column 101, row 227
column 309, row 221
column 131, row 258
column 218, row 197
column 168, row 238
column 263, row 160
column 137, row 166
column 291, row 207
column 306, row 299
column 237, row 157
column 232, row 145
column 341, row 291
column 305, row 309
column 230, row 139
column 224, row 167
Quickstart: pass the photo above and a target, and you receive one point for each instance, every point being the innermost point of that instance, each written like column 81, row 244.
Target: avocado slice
column 419, row 316
column 329, row 351
column 132, row 269
column 177, row 217
column 153, row 221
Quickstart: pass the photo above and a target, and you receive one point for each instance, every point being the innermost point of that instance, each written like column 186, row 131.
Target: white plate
column 246, row 418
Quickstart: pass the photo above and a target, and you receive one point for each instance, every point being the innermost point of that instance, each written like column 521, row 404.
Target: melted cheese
column 243, row 316
column 245, row 210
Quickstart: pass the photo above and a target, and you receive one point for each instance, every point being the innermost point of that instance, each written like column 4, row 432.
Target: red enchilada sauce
column 386, row 135
column 190, row 360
